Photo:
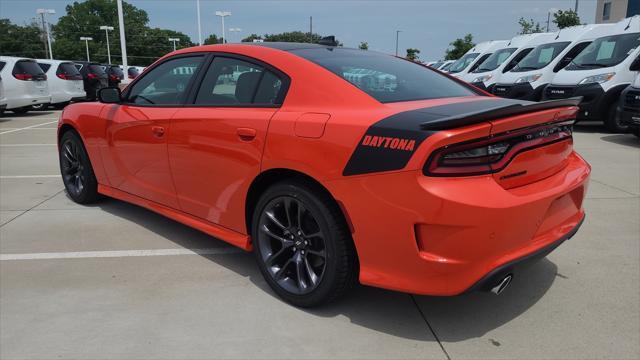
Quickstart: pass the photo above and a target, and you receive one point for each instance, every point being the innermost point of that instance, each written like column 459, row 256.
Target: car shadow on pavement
column 8, row 115
column 455, row 318
column 623, row 139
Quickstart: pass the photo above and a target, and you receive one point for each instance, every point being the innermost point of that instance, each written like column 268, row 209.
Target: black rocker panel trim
column 390, row 143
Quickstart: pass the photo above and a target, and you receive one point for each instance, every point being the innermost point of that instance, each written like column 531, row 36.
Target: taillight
column 114, row 77
column 92, row 76
column 24, row 77
column 131, row 76
column 492, row 154
column 63, row 76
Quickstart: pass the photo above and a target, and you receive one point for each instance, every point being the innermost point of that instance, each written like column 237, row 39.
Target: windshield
column 463, row 62
column 495, row 60
column 541, row 56
column 606, row 51
column 385, row 78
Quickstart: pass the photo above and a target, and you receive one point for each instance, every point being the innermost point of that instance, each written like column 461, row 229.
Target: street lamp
column 551, row 11
column 106, row 32
column 174, row 40
column 42, row 13
column 123, row 40
column 223, row 14
column 397, row 35
column 235, row 30
column 86, row 43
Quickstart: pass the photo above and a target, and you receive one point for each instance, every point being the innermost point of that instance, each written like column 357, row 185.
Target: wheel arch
column 63, row 129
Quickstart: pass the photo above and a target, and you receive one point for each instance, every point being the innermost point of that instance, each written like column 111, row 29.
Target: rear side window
column 165, row 84
column 235, row 82
column 27, row 67
column 2, row 64
column 385, row 77
column 44, row 67
column 78, row 66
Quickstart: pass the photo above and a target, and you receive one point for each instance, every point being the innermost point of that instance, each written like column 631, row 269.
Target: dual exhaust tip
column 502, row 284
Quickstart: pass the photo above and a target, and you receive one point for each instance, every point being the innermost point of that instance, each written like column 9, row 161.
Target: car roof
column 287, row 46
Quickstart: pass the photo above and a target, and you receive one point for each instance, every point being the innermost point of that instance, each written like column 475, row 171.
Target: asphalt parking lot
column 116, row 281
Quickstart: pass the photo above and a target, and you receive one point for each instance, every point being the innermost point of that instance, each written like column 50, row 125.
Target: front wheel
column 303, row 245
column 75, row 167
column 613, row 122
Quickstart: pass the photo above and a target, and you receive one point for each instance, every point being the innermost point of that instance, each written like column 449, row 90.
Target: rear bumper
column 522, row 91
column 440, row 236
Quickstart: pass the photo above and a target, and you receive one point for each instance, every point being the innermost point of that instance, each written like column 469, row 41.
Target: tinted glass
column 606, row 51
column 463, row 62
column 2, row 64
column 97, row 69
column 44, row 67
column 116, row 71
column 541, row 56
column 27, row 67
column 133, row 71
column 495, row 60
column 166, row 84
column 384, row 77
column 235, row 82
column 68, row 71
column 516, row 59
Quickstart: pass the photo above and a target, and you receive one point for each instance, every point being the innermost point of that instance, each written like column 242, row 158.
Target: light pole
column 106, row 32
column 45, row 27
column 123, row 41
column 223, row 14
column 397, row 35
column 86, row 43
column 551, row 11
column 235, row 30
column 199, row 29
column 174, row 40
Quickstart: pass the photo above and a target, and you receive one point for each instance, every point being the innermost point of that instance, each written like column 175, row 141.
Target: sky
column 429, row 25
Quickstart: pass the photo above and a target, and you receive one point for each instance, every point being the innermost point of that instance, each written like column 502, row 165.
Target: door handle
column 246, row 134
column 158, row 131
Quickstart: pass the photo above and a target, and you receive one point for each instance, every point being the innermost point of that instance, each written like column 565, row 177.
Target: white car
column 505, row 59
column 475, row 57
column 527, row 80
column 65, row 82
column 600, row 73
column 25, row 84
column 3, row 99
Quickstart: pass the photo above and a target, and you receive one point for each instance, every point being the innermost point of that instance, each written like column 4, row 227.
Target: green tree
column 252, row 37
column 144, row 44
column 529, row 27
column 293, row 36
column 460, row 47
column 19, row 40
column 412, row 54
column 363, row 45
column 212, row 40
column 566, row 18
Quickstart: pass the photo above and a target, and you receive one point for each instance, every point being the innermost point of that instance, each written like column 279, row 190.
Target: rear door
column 216, row 144
column 137, row 130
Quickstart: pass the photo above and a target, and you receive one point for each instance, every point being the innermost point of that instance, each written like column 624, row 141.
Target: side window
column 570, row 55
column 167, row 83
column 44, row 67
column 2, row 63
column 516, row 59
column 235, row 82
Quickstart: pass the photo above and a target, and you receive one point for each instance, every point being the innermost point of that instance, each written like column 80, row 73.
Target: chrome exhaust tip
column 502, row 284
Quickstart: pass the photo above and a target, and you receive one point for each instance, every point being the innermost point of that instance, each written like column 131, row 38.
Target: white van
column 629, row 104
column 65, row 82
column 474, row 57
column 527, row 80
column 446, row 65
column 25, row 83
column 503, row 60
column 3, row 99
column 600, row 73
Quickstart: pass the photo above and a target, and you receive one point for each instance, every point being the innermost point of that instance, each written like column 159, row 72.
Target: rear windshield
column 495, row 60
column 116, row 71
column 385, row 77
column 44, row 67
column 67, row 69
column 606, row 51
column 133, row 71
column 27, row 67
column 97, row 69
column 463, row 62
column 541, row 56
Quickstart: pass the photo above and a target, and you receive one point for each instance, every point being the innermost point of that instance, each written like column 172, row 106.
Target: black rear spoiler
column 496, row 112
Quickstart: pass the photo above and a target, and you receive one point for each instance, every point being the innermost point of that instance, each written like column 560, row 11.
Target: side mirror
column 110, row 95
column 635, row 65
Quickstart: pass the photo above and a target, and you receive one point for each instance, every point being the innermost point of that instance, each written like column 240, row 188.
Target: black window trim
column 195, row 82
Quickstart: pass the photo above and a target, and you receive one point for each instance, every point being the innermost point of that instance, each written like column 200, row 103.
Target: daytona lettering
column 389, row 142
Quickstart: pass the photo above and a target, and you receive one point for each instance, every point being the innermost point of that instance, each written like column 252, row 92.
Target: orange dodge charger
column 335, row 165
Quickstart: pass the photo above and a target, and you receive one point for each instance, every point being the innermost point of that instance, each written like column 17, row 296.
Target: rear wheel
column 302, row 245
column 39, row 107
column 613, row 123
column 75, row 167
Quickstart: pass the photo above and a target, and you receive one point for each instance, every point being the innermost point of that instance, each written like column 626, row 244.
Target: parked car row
column 598, row 62
column 35, row 84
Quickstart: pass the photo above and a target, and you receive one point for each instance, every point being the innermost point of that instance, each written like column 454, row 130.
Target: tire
column 39, row 107
column 310, row 267
column 77, row 174
column 612, row 122
column 20, row 111
column 636, row 131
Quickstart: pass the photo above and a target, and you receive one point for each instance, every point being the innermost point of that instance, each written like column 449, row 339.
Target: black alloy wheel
column 75, row 167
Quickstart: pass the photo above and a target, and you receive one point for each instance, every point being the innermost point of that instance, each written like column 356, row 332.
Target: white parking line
column 28, row 176
column 16, row 145
column 28, row 127
column 117, row 254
